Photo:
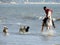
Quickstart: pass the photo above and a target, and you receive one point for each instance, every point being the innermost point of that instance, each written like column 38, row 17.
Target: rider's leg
column 44, row 23
column 42, row 27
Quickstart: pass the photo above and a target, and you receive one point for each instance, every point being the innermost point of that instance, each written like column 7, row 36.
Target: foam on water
column 49, row 33
column 6, row 34
column 25, row 32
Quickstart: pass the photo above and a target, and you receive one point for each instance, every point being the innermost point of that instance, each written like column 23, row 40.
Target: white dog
column 24, row 29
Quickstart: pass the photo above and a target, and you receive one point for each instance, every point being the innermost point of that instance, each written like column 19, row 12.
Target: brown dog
column 5, row 30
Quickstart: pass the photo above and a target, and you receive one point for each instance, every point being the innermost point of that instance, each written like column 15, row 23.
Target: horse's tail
column 53, row 24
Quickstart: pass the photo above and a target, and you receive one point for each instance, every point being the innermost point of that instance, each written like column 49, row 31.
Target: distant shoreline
column 29, row 3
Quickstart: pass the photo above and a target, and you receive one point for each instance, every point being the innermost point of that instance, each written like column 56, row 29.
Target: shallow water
column 14, row 15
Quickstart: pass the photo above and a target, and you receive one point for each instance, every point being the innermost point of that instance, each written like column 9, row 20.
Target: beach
column 13, row 16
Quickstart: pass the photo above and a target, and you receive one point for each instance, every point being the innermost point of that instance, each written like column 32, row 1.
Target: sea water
column 27, row 14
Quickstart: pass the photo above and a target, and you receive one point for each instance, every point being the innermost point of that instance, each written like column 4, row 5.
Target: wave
column 58, row 19
column 54, row 19
column 12, row 2
column 29, row 17
column 0, row 2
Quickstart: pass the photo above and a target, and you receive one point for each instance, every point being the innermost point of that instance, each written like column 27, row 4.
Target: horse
column 48, row 23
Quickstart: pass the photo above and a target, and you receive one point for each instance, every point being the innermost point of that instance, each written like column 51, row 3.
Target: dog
column 5, row 30
column 24, row 29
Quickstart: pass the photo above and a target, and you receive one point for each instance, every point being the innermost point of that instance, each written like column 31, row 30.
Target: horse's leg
column 48, row 24
column 48, row 27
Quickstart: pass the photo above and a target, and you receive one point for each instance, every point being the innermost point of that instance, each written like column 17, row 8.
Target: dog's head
column 27, row 27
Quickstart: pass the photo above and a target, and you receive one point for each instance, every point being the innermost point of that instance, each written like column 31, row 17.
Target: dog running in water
column 24, row 29
column 5, row 30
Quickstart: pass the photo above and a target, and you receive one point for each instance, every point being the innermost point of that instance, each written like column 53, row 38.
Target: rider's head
column 44, row 7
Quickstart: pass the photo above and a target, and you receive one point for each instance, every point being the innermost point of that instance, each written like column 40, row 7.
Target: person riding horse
column 47, row 17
